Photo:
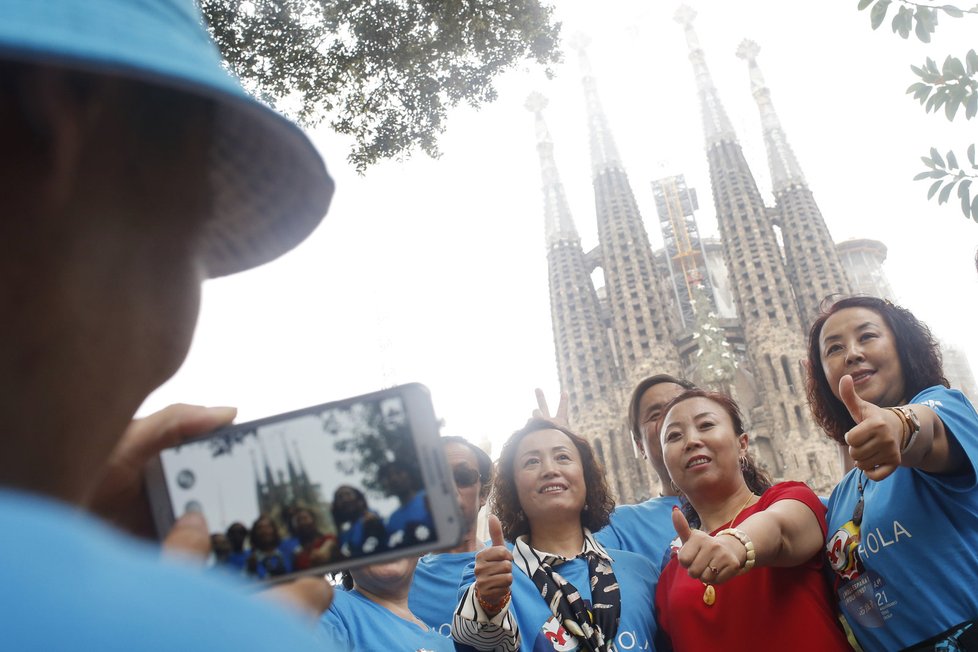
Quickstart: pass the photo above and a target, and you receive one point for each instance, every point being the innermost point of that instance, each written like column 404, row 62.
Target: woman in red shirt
column 745, row 571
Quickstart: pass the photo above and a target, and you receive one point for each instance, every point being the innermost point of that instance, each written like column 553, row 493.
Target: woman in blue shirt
column 373, row 614
column 903, row 523
column 558, row 589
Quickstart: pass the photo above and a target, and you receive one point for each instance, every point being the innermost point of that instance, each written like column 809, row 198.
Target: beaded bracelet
column 742, row 536
column 493, row 607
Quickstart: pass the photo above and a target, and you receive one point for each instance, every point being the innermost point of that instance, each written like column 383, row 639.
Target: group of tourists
column 723, row 556
column 134, row 167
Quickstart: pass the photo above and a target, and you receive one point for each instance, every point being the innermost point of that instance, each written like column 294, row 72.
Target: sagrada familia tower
column 732, row 315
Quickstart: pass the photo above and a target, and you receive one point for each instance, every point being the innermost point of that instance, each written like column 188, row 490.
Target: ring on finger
column 716, row 571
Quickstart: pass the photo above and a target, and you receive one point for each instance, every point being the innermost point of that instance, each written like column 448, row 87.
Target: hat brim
column 270, row 188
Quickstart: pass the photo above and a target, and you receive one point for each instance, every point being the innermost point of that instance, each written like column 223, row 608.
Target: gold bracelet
column 743, row 537
column 905, row 422
column 492, row 607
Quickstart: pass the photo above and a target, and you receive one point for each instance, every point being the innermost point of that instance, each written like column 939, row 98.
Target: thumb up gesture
column 494, row 570
column 712, row 560
column 875, row 442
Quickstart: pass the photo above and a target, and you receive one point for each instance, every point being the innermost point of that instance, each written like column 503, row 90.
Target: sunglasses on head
column 465, row 476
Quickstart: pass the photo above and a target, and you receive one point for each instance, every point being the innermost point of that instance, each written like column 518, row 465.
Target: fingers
column 542, row 411
column 881, row 471
column 562, row 409
column 189, row 538
column 310, row 596
column 848, row 396
column 712, row 560
column 171, row 426
column 496, row 531
column 681, row 524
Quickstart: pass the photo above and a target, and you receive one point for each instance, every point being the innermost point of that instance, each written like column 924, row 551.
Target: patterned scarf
column 596, row 627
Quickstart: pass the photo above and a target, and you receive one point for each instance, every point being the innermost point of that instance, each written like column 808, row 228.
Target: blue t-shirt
column 359, row 624
column 71, row 583
column 918, row 541
column 434, row 592
column 539, row 629
column 411, row 522
column 645, row 529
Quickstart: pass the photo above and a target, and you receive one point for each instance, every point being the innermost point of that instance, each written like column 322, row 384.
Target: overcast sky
column 435, row 270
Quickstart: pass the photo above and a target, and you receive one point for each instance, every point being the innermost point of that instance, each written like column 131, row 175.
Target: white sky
column 435, row 270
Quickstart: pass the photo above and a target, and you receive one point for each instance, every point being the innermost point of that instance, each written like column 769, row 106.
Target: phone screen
column 320, row 486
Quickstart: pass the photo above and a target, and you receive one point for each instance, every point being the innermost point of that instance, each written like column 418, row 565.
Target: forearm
column 473, row 627
column 786, row 534
column 933, row 451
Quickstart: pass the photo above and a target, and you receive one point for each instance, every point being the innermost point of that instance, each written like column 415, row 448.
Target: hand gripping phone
column 316, row 490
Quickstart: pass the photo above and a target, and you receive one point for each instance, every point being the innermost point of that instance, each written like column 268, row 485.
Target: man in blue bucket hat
column 132, row 167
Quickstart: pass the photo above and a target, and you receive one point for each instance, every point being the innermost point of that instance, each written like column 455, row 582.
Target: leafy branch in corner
column 949, row 174
column 954, row 84
column 916, row 16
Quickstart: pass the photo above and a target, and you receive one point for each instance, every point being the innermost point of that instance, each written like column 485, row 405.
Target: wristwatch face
column 912, row 416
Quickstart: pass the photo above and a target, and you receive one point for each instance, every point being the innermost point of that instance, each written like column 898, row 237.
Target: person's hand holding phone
column 494, row 571
column 120, row 496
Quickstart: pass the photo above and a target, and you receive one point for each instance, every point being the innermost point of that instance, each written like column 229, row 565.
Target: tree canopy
column 382, row 71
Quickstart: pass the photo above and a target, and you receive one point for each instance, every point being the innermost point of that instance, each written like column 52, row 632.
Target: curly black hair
column 920, row 360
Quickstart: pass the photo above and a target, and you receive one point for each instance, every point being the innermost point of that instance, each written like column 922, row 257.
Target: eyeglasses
column 465, row 476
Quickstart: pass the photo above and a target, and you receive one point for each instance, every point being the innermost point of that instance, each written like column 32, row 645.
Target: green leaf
column 974, row 209
column 933, row 189
column 864, row 3
column 945, row 194
column 924, row 175
column 972, row 108
column 929, row 163
column 932, row 66
column 971, row 155
column 972, row 59
column 936, row 157
column 953, row 67
column 965, row 203
column 951, row 107
column 952, row 11
column 921, row 30
column 903, row 21
column 964, row 188
column 878, row 13
column 952, row 160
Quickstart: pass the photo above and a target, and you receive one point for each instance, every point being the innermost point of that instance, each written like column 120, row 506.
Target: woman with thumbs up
column 555, row 588
column 746, row 567
column 903, row 523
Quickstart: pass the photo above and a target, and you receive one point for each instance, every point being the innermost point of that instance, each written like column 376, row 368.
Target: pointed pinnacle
column 684, row 15
column 580, row 41
column 748, row 50
column 535, row 102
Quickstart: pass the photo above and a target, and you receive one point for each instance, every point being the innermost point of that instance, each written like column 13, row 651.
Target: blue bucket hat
column 270, row 188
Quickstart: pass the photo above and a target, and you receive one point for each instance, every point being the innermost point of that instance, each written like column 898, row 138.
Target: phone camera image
column 313, row 488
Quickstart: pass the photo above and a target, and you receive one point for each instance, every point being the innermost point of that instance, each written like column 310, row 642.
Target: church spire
column 785, row 170
column 716, row 124
column 604, row 152
column 558, row 223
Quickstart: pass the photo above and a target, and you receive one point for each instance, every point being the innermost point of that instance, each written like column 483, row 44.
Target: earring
column 743, row 463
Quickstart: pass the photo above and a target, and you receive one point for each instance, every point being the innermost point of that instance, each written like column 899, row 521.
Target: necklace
column 710, row 593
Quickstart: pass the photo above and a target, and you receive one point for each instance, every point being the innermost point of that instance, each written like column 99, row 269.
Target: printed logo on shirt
column 880, row 538
column 554, row 636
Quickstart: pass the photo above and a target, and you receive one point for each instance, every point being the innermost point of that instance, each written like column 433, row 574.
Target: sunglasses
column 465, row 476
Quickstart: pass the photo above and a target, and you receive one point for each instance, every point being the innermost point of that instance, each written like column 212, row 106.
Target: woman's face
column 699, row 446
column 857, row 341
column 264, row 534
column 549, row 476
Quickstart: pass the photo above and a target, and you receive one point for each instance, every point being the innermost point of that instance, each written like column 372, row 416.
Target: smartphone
column 316, row 490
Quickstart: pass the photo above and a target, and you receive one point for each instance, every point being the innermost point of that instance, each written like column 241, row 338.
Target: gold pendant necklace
column 710, row 593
